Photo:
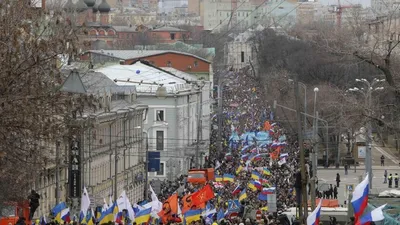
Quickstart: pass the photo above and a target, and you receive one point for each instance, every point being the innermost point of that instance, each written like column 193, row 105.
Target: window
column 160, row 115
column 169, row 64
column 242, row 56
column 161, row 172
column 160, row 140
column 172, row 35
column 196, row 63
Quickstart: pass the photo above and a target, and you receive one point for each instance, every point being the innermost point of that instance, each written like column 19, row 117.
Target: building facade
column 175, row 122
column 111, row 152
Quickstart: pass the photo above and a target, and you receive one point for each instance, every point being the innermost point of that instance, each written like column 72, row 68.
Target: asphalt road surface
column 328, row 176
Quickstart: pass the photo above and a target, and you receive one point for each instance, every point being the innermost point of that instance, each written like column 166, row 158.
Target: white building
column 172, row 122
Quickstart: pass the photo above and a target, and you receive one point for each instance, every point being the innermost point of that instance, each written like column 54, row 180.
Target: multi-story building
column 194, row 7
column 309, row 12
column 177, row 121
column 109, row 151
column 218, row 14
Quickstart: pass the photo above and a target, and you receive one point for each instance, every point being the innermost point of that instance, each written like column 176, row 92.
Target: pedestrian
column 396, row 180
column 337, row 179
column 346, row 167
column 330, row 191
column 390, row 179
column 385, row 177
column 33, row 203
column 335, row 192
column 382, row 160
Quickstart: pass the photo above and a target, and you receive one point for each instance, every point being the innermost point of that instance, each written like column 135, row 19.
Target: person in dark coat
column 335, row 192
column 33, row 203
column 337, row 179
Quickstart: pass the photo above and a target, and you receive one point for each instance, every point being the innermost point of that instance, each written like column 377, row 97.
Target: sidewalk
column 360, row 167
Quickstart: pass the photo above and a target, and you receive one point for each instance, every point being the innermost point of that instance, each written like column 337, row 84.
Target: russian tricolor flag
column 313, row 218
column 373, row 216
column 257, row 184
column 360, row 197
column 65, row 215
column 237, row 190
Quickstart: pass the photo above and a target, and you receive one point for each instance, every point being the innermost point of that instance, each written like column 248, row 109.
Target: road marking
column 387, row 155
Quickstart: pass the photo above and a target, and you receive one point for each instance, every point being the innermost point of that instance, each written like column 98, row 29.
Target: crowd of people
column 245, row 111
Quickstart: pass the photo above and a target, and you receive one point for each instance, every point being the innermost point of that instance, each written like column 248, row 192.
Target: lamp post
column 367, row 93
column 146, row 166
column 314, row 152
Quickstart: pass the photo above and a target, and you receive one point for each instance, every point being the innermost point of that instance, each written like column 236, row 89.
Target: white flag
column 85, row 202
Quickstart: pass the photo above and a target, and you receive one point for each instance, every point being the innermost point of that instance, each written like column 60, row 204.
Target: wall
column 181, row 114
column 235, row 51
column 194, row 7
column 99, row 163
column 178, row 61
column 165, row 36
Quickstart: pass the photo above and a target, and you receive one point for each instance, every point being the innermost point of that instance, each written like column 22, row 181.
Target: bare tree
column 34, row 111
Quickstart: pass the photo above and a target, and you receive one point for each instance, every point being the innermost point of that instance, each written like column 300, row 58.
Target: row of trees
column 34, row 113
column 332, row 58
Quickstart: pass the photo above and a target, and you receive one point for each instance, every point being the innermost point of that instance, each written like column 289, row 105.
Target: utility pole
column 301, row 148
column 314, row 161
column 219, row 136
column 199, row 128
column 369, row 140
column 57, row 172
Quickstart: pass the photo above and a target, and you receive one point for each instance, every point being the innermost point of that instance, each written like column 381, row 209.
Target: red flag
column 203, row 195
column 170, row 207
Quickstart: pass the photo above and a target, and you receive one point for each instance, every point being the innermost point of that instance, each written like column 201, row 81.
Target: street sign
column 74, row 178
column 348, row 190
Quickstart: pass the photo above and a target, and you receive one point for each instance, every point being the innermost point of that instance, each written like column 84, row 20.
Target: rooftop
column 140, row 72
column 180, row 74
column 136, row 54
column 168, row 29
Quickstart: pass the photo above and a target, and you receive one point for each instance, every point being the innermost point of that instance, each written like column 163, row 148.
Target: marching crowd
column 244, row 111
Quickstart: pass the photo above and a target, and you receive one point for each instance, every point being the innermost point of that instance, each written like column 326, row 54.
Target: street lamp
column 367, row 93
column 164, row 124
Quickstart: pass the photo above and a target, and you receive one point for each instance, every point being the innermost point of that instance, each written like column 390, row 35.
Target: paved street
column 328, row 176
column 378, row 151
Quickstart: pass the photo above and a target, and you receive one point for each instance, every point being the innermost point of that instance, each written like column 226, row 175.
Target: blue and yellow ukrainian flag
column 219, row 178
column 266, row 171
column 108, row 215
column 192, row 215
column 252, row 186
column 239, row 169
column 229, row 178
column 255, row 175
column 143, row 216
column 243, row 195
column 56, row 211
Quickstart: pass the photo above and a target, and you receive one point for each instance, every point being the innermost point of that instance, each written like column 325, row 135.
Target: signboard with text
column 361, row 151
column 74, row 178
